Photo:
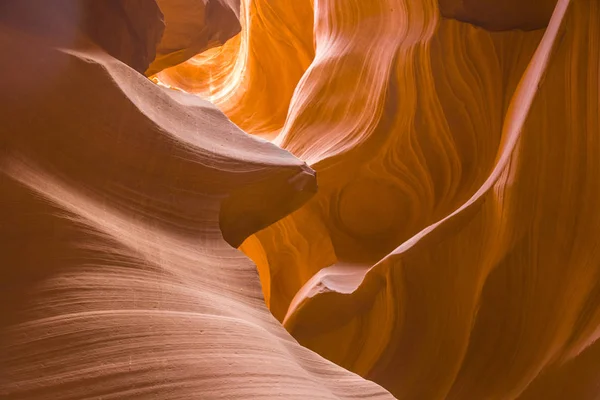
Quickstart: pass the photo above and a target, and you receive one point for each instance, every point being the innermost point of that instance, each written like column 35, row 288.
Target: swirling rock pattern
column 116, row 200
column 451, row 250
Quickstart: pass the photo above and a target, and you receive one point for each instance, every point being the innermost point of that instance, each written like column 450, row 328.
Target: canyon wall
column 412, row 184
column 451, row 250
column 120, row 202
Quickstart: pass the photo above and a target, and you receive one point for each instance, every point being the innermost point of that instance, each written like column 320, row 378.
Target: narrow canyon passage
column 413, row 184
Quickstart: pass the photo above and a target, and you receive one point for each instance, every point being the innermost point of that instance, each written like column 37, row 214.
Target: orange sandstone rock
column 450, row 251
column 502, row 15
column 193, row 26
column 253, row 76
column 117, row 198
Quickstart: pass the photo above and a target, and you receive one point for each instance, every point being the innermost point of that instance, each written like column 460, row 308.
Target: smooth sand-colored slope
column 119, row 203
column 451, row 251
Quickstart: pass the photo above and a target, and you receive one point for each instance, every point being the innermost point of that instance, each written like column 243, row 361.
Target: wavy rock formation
column 451, row 251
column 193, row 26
column 253, row 76
column 117, row 198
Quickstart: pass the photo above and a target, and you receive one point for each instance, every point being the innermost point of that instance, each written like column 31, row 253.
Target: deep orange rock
column 254, row 75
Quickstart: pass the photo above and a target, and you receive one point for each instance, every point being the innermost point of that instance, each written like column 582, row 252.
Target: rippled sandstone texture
column 451, row 251
column 119, row 200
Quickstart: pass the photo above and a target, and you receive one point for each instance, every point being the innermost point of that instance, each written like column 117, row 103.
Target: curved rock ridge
column 117, row 198
column 450, row 252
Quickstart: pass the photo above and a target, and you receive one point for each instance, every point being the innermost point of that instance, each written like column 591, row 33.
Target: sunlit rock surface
column 119, row 200
column 254, row 75
column 451, row 251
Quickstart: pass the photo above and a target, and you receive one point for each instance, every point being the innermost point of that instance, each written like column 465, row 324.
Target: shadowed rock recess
column 414, row 184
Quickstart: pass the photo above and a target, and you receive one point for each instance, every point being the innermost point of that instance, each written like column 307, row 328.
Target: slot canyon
column 300, row 199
